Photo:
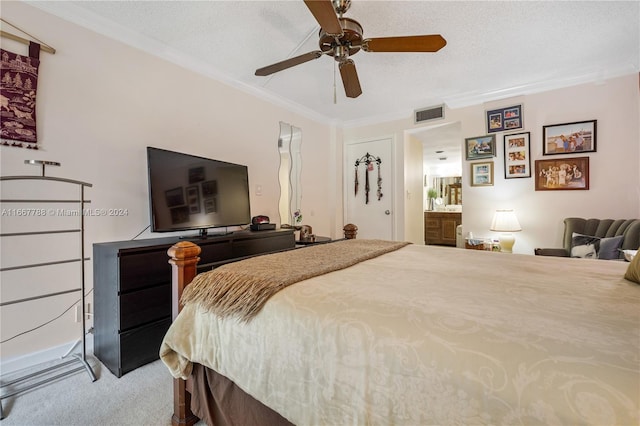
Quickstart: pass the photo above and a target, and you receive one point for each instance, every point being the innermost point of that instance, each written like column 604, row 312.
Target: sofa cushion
column 633, row 270
column 591, row 247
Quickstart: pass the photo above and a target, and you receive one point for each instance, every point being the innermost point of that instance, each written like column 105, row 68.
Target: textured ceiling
column 494, row 49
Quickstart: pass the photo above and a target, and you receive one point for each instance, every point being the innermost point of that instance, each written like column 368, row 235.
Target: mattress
column 433, row 335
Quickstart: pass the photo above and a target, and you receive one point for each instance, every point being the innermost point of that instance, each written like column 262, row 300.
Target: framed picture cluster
column 562, row 173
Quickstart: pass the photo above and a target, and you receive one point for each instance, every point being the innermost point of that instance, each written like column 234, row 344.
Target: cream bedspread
column 431, row 335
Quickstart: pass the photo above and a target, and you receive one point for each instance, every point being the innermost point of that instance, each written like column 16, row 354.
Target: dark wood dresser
column 132, row 290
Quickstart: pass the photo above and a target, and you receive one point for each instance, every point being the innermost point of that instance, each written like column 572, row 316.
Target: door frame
column 347, row 172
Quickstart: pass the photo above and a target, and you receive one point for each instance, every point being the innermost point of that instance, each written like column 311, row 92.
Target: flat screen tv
column 187, row 192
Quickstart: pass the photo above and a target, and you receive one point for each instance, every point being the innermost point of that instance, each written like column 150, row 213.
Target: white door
column 375, row 217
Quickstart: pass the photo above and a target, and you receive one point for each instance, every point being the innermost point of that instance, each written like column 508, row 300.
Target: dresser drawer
column 141, row 345
column 215, row 252
column 143, row 269
column 143, row 306
column 250, row 247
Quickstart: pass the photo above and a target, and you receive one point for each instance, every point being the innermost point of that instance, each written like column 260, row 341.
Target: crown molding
column 596, row 77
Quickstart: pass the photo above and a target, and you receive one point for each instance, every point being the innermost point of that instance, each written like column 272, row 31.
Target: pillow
column 609, row 248
column 628, row 254
column 584, row 246
column 633, row 271
column 589, row 247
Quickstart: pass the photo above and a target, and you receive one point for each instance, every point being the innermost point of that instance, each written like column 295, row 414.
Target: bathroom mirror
column 289, row 144
column 449, row 189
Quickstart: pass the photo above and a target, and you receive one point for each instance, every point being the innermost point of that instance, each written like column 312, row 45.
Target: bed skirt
column 220, row 402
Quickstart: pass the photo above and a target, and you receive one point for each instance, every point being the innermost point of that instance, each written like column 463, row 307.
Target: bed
column 415, row 335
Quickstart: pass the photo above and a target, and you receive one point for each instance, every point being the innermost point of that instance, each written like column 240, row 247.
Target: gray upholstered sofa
column 603, row 228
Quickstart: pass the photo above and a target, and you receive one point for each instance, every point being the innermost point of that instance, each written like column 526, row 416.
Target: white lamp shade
column 505, row 221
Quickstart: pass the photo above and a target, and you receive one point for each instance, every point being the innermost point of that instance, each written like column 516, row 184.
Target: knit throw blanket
column 242, row 288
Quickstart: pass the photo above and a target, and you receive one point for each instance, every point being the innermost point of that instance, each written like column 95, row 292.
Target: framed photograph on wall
column 569, row 138
column 505, row 119
column 480, row 147
column 562, row 174
column 482, row 174
column 517, row 155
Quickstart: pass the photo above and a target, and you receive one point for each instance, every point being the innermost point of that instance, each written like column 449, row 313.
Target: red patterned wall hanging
column 18, row 86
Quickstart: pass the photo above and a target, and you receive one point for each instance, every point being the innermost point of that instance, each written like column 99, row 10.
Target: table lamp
column 506, row 222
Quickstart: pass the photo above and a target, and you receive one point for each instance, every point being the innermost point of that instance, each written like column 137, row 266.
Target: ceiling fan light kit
column 342, row 37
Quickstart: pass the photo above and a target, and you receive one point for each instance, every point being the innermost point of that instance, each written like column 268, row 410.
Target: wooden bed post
column 184, row 262
column 350, row 231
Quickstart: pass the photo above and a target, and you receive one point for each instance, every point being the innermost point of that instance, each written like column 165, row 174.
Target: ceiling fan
column 341, row 38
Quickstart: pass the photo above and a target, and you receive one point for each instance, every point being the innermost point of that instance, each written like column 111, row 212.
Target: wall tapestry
column 18, row 84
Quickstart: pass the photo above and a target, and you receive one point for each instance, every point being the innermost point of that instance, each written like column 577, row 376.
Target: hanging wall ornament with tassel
column 356, row 183
column 18, row 87
column 368, row 160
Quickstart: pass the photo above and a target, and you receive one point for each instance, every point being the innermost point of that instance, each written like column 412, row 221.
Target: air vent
column 428, row 114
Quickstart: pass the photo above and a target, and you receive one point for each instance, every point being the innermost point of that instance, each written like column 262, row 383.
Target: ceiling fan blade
column 350, row 78
column 419, row 43
column 326, row 16
column 288, row 63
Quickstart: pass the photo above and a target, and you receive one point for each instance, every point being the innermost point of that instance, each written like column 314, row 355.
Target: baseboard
column 21, row 362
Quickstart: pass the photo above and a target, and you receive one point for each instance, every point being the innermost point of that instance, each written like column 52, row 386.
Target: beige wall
column 100, row 103
column 413, row 191
column 615, row 173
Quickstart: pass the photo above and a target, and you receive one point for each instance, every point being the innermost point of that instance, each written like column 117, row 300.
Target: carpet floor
column 141, row 397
